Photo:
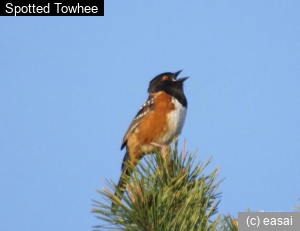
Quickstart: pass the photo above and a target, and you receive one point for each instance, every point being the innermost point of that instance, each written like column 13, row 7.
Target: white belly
column 176, row 121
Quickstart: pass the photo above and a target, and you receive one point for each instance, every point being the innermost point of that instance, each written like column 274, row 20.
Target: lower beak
column 182, row 79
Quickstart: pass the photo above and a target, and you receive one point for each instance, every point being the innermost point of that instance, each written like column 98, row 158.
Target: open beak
column 181, row 79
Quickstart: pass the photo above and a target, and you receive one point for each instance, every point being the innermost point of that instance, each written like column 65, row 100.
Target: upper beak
column 176, row 74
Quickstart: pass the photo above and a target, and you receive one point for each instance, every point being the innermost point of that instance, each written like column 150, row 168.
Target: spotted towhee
column 158, row 122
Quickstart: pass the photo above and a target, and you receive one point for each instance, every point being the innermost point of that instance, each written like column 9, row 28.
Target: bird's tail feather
column 122, row 181
column 125, row 170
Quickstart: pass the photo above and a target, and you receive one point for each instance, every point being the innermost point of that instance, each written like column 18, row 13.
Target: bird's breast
column 175, row 120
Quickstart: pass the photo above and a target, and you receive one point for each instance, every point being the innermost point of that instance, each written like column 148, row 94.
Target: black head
column 169, row 83
column 165, row 82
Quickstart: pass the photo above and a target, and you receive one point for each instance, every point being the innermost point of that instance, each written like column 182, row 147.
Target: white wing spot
column 147, row 103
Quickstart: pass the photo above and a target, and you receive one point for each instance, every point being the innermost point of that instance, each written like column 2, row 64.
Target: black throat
column 178, row 94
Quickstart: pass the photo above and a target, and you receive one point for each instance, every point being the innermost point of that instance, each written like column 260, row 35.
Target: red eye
column 164, row 78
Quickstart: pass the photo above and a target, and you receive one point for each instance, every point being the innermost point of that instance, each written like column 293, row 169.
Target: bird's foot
column 156, row 145
column 164, row 150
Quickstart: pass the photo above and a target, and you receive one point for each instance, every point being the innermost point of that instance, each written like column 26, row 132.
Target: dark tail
column 122, row 182
column 125, row 171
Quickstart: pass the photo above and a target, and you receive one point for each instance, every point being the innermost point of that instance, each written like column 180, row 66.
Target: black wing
column 145, row 109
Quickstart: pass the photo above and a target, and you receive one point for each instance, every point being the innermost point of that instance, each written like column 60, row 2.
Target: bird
column 158, row 122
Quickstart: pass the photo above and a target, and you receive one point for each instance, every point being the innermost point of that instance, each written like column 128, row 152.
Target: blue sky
column 70, row 86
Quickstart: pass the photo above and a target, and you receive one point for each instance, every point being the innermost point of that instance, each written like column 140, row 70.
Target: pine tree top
column 163, row 194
